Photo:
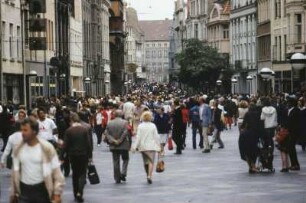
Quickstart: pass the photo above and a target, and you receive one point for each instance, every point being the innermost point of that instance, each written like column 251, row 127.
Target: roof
column 156, row 30
column 132, row 19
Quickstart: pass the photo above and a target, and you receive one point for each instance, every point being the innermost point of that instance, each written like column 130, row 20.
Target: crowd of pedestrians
column 41, row 145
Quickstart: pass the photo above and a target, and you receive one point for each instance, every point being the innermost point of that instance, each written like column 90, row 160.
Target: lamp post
column 126, row 86
column 234, row 83
column 87, row 81
column 62, row 78
column 219, row 83
column 31, row 74
column 298, row 62
column 249, row 79
column 266, row 74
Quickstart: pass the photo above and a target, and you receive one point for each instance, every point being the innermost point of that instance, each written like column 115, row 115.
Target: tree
column 201, row 65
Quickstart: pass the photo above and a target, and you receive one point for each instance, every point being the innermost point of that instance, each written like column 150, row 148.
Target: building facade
column 37, row 56
column 178, row 34
column 157, row 46
column 135, row 63
column 243, row 26
column 218, row 27
column 197, row 17
column 288, row 36
column 117, row 35
column 96, row 57
column 12, row 67
column 76, row 49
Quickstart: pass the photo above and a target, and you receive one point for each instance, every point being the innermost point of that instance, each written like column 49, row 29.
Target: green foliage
column 200, row 64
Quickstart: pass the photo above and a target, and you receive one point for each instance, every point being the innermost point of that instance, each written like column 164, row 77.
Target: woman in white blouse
column 148, row 143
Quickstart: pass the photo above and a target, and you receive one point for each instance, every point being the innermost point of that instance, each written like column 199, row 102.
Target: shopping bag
column 160, row 167
column 93, row 176
column 170, row 144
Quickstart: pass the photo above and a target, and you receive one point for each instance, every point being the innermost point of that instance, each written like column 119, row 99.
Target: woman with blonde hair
column 243, row 108
column 148, row 143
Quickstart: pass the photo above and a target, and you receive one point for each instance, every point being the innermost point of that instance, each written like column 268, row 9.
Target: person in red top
column 100, row 122
column 185, row 115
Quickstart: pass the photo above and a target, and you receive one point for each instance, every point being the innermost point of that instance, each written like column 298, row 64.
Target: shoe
column 99, row 145
column 252, row 171
column 284, row 170
column 221, row 147
column 178, row 153
column 149, row 180
column 79, row 198
column 118, row 181
column 294, row 168
column 206, row 151
column 123, row 178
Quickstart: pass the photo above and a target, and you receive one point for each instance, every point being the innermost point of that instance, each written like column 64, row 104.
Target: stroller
column 265, row 158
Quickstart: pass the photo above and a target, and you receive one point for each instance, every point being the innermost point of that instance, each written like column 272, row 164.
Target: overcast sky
column 153, row 9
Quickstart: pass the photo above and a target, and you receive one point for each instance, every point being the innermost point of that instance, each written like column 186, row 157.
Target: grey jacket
column 117, row 134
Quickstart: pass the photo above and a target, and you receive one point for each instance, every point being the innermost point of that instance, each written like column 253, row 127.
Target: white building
column 198, row 12
column 218, row 27
column 157, row 47
column 134, row 48
column 178, row 34
column 12, row 85
column 76, row 48
column 243, row 44
column 288, row 36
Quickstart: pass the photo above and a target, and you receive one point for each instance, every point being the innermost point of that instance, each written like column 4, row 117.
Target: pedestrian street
column 193, row 177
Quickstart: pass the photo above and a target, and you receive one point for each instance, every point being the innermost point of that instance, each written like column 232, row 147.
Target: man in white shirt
column 13, row 140
column 47, row 127
column 128, row 110
column 36, row 169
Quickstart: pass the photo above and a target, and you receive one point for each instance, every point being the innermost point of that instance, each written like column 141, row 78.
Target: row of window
column 11, row 40
column 241, row 3
column 155, row 54
column 156, row 45
column 158, row 64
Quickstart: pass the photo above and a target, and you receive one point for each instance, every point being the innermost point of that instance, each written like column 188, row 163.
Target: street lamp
column 266, row 74
column 87, row 81
column 249, row 79
column 31, row 74
column 234, row 82
column 298, row 62
column 62, row 76
column 219, row 83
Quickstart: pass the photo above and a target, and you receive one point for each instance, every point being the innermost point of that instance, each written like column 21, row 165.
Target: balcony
column 116, row 25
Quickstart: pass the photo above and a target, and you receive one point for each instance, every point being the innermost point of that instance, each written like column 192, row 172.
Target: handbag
column 93, row 176
column 160, row 167
column 170, row 144
column 210, row 131
column 9, row 161
column 281, row 135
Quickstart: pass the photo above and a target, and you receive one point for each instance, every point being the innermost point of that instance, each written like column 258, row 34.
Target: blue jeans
column 196, row 127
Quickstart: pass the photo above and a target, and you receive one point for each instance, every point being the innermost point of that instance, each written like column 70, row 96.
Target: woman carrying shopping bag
column 148, row 143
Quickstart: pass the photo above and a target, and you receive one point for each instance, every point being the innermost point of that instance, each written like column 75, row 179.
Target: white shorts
column 163, row 138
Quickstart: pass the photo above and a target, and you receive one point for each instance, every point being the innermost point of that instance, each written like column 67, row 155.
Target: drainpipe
column 1, row 44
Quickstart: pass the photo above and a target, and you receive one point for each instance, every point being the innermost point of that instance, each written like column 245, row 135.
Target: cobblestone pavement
column 219, row 176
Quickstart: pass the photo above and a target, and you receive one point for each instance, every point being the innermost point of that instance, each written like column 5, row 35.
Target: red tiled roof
column 156, row 30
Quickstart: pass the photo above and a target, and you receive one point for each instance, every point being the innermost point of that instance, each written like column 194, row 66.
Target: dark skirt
column 248, row 145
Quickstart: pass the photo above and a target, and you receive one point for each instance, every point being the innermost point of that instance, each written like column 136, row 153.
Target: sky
column 153, row 9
